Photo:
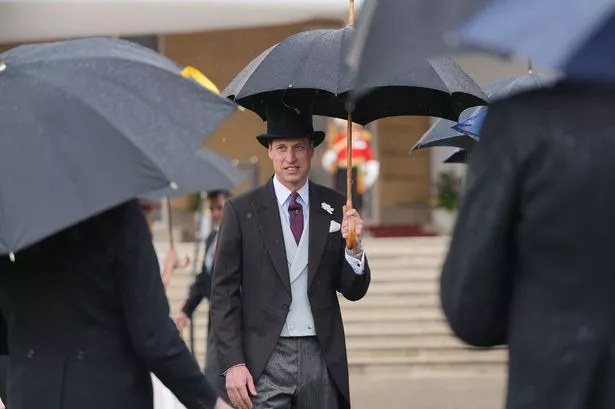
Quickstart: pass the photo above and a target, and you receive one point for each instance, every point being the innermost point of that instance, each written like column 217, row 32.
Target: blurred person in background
column 201, row 288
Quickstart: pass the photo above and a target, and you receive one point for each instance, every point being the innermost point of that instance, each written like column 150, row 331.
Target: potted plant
column 448, row 189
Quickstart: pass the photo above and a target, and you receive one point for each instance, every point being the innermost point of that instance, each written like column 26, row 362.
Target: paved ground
column 428, row 392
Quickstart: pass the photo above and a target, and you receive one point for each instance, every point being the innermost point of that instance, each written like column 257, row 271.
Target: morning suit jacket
column 201, row 288
column 251, row 292
column 88, row 319
column 531, row 259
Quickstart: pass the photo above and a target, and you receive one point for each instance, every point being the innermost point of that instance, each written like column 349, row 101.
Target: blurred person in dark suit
column 531, row 259
column 87, row 319
column 201, row 288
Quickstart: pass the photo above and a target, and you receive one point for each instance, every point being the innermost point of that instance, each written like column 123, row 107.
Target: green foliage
column 448, row 191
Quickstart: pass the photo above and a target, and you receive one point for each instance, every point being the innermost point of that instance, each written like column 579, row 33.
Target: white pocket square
column 334, row 226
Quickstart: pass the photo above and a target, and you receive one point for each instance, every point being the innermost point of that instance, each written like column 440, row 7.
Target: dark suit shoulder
column 243, row 200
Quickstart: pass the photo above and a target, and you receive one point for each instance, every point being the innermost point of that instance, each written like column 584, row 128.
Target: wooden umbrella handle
column 351, row 240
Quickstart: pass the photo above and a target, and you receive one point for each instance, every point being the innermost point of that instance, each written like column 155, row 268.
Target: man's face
column 291, row 159
column 216, row 205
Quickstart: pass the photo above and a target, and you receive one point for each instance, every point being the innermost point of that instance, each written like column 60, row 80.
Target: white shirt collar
column 282, row 193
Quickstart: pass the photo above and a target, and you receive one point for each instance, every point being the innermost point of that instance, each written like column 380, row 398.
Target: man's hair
column 213, row 194
column 310, row 141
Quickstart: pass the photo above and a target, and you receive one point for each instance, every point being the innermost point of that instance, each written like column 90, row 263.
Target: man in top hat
column 280, row 262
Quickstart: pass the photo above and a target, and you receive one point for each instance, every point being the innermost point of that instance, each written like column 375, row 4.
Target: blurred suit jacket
column 531, row 259
column 88, row 319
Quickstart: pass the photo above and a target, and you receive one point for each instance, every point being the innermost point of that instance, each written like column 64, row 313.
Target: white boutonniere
column 327, row 207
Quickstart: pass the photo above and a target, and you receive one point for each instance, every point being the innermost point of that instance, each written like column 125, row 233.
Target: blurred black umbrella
column 204, row 171
column 87, row 124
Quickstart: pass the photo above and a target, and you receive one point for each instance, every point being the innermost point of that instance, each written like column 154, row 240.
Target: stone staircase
column 398, row 328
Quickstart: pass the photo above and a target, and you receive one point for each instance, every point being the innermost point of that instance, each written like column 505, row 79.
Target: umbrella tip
column 12, row 257
column 2, row 65
column 173, row 185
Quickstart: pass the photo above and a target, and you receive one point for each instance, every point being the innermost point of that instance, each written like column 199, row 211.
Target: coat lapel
column 271, row 230
column 319, row 230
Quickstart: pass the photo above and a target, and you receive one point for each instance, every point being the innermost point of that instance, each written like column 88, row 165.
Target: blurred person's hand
column 4, row 407
column 181, row 321
column 172, row 263
column 238, row 383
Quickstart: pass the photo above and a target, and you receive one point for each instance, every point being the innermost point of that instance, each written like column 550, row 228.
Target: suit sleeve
column 353, row 286
column 225, row 301
column 153, row 334
column 198, row 290
column 476, row 276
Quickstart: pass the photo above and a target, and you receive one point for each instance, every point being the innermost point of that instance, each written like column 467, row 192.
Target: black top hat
column 290, row 121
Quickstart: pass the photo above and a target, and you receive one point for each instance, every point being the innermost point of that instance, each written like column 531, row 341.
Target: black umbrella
column 204, row 171
column 460, row 156
column 310, row 65
column 393, row 34
column 87, row 124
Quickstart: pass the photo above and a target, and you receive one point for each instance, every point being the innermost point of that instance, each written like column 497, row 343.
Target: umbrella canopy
column 442, row 133
column 88, row 124
column 460, row 156
column 574, row 36
column 393, row 34
column 204, row 171
column 448, row 133
column 471, row 126
column 310, row 65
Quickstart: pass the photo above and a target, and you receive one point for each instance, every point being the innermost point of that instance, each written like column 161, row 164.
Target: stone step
column 378, row 342
column 416, row 263
column 392, row 301
column 353, row 329
column 496, row 357
column 404, row 288
column 392, row 315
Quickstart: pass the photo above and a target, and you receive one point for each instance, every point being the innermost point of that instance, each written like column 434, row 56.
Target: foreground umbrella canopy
column 206, row 170
column 393, row 34
column 572, row 36
column 310, row 65
column 88, row 124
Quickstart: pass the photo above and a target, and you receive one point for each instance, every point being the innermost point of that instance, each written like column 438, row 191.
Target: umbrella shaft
column 349, row 159
column 351, row 13
column 170, row 221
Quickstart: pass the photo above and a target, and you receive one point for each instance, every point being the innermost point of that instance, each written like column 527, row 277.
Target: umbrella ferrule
column 2, row 65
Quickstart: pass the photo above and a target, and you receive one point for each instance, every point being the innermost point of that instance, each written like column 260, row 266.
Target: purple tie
column 296, row 216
